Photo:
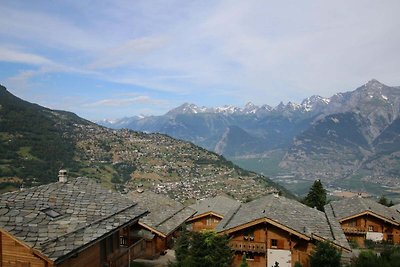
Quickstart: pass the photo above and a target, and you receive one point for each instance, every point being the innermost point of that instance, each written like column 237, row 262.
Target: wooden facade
column 205, row 221
column 262, row 239
column 14, row 253
column 264, row 242
column 367, row 225
column 159, row 243
column 117, row 249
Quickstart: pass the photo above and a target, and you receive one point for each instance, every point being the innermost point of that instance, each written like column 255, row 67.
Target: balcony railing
column 354, row 230
column 128, row 254
column 248, row 246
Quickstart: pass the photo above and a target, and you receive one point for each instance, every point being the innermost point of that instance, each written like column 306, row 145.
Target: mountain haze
column 351, row 135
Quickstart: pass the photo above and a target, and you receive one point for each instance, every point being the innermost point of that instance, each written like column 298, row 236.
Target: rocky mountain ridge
column 345, row 136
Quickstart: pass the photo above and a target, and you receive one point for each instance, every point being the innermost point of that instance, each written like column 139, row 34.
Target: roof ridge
column 172, row 215
column 329, row 224
column 87, row 225
column 233, row 214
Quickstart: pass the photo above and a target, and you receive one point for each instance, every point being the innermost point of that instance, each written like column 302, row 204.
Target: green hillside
column 35, row 142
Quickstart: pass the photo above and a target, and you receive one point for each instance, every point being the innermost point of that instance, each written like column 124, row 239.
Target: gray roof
column 165, row 214
column 352, row 206
column 59, row 218
column 396, row 207
column 220, row 205
column 287, row 212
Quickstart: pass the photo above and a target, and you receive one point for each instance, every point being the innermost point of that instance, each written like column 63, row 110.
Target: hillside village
column 34, row 149
column 162, row 164
column 77, row 222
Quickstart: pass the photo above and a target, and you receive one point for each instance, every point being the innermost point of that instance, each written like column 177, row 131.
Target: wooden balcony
column 354, row 230
column 251, row 246
column 125, row 255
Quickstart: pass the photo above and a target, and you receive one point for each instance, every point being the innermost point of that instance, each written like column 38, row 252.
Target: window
column 123, row 241
column 250, row 256
column 274, row 243
column 208, row 221
column 390, row 239
column 370, row 228
column 248, row 235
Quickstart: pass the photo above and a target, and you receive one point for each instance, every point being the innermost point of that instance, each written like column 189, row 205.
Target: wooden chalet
column 209, row 212
column 72, row 223
column 364, row 219
column 276, row 229
column 163, row 222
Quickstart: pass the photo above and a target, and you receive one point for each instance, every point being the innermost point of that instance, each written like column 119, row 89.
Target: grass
column 24, row 152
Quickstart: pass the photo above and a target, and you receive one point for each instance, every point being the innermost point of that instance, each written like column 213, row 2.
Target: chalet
column 209, row 212
column 362, row 219
column 68, row 223
column 163, row 222
column 277, row 229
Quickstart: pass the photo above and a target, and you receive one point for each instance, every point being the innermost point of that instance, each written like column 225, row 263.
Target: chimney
column 62, row 176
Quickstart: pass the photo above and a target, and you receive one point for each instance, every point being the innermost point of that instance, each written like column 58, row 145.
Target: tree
column 366, row 259
column 202, row 249
column 389, row 257
column 384, row 201
column 244, row 261
column 316, row 197
column 325, row 255
column 297, row 264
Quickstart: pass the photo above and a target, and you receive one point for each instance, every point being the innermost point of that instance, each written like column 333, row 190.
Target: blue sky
column 109, row 59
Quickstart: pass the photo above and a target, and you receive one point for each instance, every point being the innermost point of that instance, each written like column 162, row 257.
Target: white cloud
column 262, row 51
column 12, row 55
column 118, row 102
column 128, row 53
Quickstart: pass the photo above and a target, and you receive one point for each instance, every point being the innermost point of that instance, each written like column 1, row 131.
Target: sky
column 117, row 58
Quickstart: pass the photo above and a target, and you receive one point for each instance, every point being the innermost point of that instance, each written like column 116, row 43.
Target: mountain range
column 349, row 140
column 35, row 142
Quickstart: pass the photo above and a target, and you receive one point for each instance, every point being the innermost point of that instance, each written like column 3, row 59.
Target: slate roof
column 220, row 205
column 352, row 206
column 87, row 212
column 165, row 214
column 287, row 212
column 396, row 207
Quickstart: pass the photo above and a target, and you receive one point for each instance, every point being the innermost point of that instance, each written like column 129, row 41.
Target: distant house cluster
column 76, row 222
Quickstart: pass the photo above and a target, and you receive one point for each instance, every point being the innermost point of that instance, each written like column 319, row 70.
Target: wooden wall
column 265, row 233
column 88, row 257
column 208, row 222
column 362, row 224
column 258, row 261
column 14, row 254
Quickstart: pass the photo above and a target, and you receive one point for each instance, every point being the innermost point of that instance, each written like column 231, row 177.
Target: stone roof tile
column 77, row 224
column 165, row 214
column 287, row 212
column 220, row 205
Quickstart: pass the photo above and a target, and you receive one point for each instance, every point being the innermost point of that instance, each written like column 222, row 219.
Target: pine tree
column 202, row 249
column 325, row 255
column 316, row 197
column 244, row 261
column 383, row 200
